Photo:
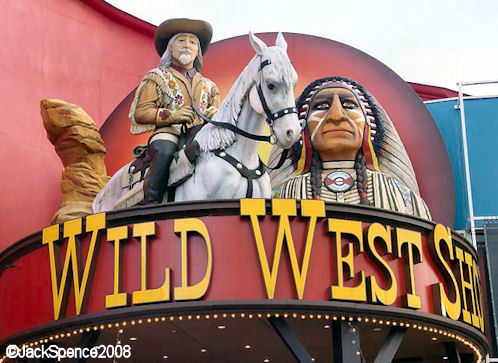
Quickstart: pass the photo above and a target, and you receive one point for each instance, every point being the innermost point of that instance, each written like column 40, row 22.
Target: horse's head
column 273, row 92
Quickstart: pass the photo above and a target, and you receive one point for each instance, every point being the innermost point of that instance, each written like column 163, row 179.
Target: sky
column 435, row 42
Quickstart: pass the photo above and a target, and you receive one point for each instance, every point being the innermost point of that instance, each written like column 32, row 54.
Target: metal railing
column 460, row 105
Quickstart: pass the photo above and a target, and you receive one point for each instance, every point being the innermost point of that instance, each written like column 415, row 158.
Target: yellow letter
column 117, row 299
column 284, row 208
column 375, row 292
column 185, row 292
column 72, row 229
column 412, row 256
column 465, row 257
column 444, row 304
column 357, row 293
column 144, row 295
column 478, row 295
column 59, row 292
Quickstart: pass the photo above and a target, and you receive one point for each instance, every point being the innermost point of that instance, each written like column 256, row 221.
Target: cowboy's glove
column 210, row 112
column 167, row 117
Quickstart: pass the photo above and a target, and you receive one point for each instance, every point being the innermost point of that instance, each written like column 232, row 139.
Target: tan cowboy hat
column 170, row 27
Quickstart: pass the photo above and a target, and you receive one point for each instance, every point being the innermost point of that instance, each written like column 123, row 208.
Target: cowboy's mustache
column 185, row 50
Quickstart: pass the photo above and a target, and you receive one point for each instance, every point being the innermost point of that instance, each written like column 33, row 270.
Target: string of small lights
column 252, row 315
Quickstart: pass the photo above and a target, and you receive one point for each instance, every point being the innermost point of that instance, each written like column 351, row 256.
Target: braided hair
column 316, row 175
column 361, row 178
column 315, row 165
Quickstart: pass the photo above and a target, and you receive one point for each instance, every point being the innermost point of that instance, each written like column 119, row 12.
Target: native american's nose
column 336, row 111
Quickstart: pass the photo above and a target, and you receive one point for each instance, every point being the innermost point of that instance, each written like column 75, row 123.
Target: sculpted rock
column 78, row 143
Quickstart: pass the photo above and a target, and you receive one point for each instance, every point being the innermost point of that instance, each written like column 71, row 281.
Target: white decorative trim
column 164, row 136
column 340, row 164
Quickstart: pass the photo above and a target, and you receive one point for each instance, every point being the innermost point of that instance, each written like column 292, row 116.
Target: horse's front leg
column 199, row 185
column 262, row 187
column 217, row 179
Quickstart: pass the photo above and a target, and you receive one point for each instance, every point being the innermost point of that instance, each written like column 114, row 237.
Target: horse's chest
column 225, row 181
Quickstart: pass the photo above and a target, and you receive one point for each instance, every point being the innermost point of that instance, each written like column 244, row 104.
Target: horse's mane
column 212, row 137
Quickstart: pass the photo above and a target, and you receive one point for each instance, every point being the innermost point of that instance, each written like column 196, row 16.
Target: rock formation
column 78, row 143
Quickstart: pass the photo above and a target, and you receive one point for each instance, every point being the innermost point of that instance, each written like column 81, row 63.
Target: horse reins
column 270, row 116
column 234, row 128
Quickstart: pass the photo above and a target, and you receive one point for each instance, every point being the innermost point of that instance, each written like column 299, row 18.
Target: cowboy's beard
column 186, row 56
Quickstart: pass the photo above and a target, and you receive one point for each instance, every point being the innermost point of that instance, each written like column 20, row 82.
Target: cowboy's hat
column 170, row 27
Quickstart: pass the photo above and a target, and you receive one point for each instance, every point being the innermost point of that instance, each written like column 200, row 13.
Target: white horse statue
column 229, row 166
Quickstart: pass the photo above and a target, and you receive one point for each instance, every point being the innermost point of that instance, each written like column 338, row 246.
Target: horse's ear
column 281, row 43
column 258, row 45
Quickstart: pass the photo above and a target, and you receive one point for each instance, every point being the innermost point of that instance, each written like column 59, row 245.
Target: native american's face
column 184, row 49
column 336, row 122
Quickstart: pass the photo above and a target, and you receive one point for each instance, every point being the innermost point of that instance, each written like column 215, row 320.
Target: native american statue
column 350, row 152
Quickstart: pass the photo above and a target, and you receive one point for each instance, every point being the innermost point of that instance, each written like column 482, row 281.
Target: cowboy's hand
column 183, row 115
column 210, row 112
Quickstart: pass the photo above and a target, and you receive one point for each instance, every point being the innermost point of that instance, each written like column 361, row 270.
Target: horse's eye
column 271, row 86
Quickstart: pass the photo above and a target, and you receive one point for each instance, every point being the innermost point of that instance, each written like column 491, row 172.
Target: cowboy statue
column 165, row 100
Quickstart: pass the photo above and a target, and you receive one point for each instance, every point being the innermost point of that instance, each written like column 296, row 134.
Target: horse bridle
column 270, row 116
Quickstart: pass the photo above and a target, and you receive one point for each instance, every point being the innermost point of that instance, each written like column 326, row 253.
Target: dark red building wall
column 62, row 49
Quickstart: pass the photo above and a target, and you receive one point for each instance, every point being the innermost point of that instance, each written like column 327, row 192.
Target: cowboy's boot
column 161, row 152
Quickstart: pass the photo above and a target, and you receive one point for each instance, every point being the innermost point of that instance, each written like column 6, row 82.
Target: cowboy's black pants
column 156, row 180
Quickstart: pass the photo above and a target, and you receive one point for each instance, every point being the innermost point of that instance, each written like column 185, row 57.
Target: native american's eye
column 324, row 105
column 349, row 104
column 271, row 86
